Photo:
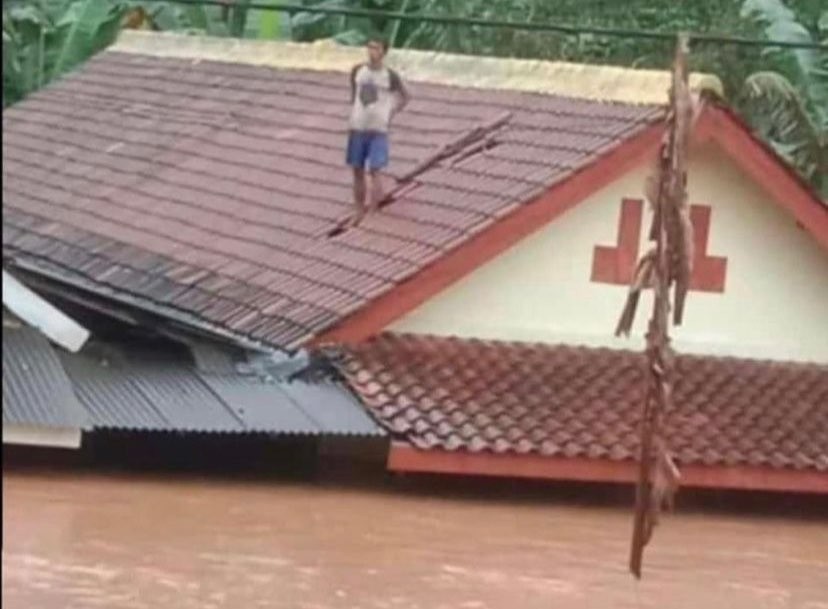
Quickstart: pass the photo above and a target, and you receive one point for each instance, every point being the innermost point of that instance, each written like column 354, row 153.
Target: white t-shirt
column 373, row 97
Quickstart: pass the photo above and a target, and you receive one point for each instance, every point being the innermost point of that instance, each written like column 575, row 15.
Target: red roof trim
column 404, row 458
column 762, row 164
column 715, row 124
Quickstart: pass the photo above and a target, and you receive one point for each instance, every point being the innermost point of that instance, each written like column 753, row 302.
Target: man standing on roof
column 377, row 94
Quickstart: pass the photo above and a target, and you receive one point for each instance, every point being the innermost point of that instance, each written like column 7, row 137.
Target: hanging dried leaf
column 642, row 279
column 667, row 265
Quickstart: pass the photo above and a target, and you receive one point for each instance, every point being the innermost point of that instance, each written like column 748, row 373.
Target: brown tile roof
column 207, row 190
column 498, row 397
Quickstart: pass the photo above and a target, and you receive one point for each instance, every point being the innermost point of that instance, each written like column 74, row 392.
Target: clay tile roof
column 206, row 190
column 584, row 402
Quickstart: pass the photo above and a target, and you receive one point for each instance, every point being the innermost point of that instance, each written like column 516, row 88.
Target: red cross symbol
column 616, row 264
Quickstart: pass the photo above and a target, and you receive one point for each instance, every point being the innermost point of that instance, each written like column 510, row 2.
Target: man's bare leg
column 377, row 191
column 359, row 195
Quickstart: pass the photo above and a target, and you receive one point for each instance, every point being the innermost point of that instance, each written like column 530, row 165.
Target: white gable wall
column 774, row 305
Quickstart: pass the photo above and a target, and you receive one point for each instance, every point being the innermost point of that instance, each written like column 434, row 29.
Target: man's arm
column 354, row 71
column 398, row 87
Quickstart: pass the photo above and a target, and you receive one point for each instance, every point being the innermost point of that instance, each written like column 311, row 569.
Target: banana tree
column 307, row 26
column 788, row 103
column 186, row 18
column 24, row 49
column 45, row 38
column 266, row 24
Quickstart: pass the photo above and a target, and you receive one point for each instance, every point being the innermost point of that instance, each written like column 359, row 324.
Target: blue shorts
column 367, row 149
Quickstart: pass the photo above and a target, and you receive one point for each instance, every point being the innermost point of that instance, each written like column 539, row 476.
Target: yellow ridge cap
column 593, row 82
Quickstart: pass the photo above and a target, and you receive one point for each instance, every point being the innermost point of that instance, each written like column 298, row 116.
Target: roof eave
column 403, row 457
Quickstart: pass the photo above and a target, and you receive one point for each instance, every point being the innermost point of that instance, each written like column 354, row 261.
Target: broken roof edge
column 72, row 279
column 583, row 81
column 42, row 315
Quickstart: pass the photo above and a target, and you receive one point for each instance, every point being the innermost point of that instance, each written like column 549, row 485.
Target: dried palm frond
column 667, row 265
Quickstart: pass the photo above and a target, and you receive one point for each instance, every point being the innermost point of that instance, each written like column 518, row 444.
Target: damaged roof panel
column 261, row 405
column 333, row 409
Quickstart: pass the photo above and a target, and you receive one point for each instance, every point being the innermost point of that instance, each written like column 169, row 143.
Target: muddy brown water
column 87, row 540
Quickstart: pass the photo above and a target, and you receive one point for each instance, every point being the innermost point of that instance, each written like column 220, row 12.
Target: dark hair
column 382, row 40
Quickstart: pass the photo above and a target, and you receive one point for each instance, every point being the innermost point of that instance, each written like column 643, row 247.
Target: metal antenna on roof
column 668, row 264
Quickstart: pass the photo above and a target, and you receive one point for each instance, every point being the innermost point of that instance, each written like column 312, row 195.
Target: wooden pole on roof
column 667, row 265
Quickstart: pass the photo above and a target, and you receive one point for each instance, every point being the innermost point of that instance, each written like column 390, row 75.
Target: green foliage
column 787, row 101
column 84, row 28
column 45, row 38
column 732, row 64
column 267, row 25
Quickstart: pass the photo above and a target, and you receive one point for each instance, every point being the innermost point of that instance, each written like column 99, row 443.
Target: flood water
column 79, row 540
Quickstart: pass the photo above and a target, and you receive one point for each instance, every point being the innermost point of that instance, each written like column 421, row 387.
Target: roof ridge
column 583, row 81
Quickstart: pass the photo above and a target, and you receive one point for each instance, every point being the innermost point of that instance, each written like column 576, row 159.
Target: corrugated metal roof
column 181, row 397
column 36, row 390
column 141, row 394
column 150, row 391
column 263, row 389
column 329, row 407
column 111, row 400
column 261, row 405
column 299, row 407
